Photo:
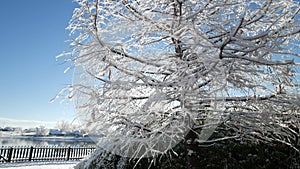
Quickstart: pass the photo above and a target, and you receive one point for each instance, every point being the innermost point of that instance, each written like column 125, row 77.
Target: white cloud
column 5, row 122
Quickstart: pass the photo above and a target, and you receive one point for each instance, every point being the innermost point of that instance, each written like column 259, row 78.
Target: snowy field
column 40, row 165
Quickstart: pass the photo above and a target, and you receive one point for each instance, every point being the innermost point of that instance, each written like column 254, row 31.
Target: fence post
column 68, row 153
column 10, row 151
column 30, row 153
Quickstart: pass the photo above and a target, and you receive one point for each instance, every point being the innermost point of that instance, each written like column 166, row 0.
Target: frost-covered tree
column 64, row 125
column 150, row 73
column 42, row 131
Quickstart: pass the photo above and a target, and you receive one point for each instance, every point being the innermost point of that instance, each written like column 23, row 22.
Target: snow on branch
column 163, row 64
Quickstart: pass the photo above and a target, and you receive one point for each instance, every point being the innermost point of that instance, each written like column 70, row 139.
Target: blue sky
column 32, row 34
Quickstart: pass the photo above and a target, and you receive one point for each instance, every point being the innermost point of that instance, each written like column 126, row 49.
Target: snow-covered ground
column 16, row 139
column 40, row 165
column 16, row 135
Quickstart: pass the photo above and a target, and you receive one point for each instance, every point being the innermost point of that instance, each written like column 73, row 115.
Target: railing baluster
column 30, row 153
column 10, row 154
column 51, row 153
column 68, row 153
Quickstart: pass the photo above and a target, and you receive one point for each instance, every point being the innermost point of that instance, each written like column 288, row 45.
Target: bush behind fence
column 43, row 153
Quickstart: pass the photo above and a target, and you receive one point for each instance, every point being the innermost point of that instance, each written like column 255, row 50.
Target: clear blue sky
column 32, row 34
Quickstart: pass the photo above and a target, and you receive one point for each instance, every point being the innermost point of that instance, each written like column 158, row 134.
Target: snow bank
column 40, row 165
